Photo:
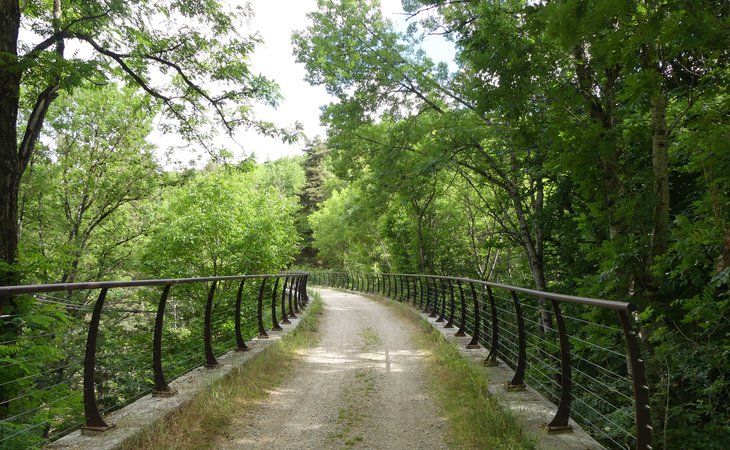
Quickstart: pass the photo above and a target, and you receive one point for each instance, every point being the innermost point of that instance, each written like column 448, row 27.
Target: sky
column 274, row 59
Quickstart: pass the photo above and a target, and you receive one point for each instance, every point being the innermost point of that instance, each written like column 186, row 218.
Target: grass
column 196, row 425
column 355, row 397
column 461, row 388
column 370, row 339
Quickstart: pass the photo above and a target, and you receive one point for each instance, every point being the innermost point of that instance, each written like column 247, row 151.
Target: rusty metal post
column 518, row 381
column 462, row 320
column 291, row 305
column 293, row 293
column 274, row 323
column 161, row 389
column 491, row 359
column 435, row 297
column 284, row 315
column 420, row 292
column 260, row 311
column 408, row 288
column 442, row 315
column 427, row 300
column 560, row 422
column 303, row 291
column 474, row 343
column 210, row 361
column 388, row 279
column 240, row 343
column 639, row 383
column 452, row 304
column 300, row 293
column 94, row 421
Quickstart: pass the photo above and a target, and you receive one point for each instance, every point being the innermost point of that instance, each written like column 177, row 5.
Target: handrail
column 12, row 392
column 531, row 354
column 55, row 287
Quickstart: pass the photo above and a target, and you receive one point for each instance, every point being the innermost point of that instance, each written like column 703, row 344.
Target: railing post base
column 557, row 429
column 490, row 363
column 164, row 394
column 92, row 431
column 459, row 333
column 263, row 336
column 212, row 365
column 473, row 346
column 514, row 387
column 242, row 349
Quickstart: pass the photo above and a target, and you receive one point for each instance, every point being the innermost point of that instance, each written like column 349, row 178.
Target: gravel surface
column 361, row 387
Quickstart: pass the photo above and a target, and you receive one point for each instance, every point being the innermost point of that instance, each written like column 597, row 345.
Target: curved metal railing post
column 274, row 323
column 474, row 343
column 560, row 422
column 435, row 297
column 518, row 381
column 429, row 297
column 420, row 292
column 442, row 315
column 302, row 291
column 462, row 320
column 284, row 315
column 389, row 285
column 240, row 343
column 408, row 288
column 491, row 359
column 210, row 361
column 639, row 383
column 291, row 291
column 161, row 389
column 452, row 304
column 260, row 311
column 94, row 421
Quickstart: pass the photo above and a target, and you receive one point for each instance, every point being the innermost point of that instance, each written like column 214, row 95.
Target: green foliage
column 557, row 141
column 80, row 212
column 220, row 224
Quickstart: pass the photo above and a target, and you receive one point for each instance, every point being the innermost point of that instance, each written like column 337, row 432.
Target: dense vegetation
column 578, row 147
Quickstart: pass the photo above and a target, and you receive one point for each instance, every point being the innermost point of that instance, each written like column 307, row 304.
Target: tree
column 313, row 193
column 188, row 55
column 98, row 166
column 221, row 224
column 490, row 130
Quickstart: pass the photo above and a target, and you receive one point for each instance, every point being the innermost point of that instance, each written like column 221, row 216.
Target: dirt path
column 360, row 388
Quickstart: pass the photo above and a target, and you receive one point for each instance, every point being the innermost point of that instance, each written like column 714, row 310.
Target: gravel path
column 360, row 388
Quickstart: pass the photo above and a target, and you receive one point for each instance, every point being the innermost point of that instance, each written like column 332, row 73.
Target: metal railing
column 138, row 334
column 580, row 353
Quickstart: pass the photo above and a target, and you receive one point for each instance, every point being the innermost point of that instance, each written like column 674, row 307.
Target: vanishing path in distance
column 360, row 387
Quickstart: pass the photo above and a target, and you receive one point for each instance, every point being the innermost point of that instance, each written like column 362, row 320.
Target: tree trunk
column 9, row 165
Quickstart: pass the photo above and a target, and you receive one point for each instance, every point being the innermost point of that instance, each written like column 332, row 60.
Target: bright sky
column 275, row 21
